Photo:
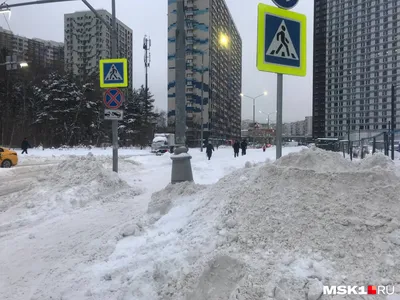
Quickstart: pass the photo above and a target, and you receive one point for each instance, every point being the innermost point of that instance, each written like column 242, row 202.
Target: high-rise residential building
column 34, row 51
column 356, row 62
column 211, row 33
column 87, row 40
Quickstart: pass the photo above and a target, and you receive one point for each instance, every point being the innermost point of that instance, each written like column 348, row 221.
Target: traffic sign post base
column 181, row 166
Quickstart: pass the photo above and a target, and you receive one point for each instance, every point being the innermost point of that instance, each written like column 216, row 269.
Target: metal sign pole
column 393, row 118
column 114, row 55
column 279, row 108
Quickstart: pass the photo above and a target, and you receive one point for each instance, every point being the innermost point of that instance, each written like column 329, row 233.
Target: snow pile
column 161, row 201
column 315, row 159
column 83, row 179
column 277, row 231
column 72, row 184
column 378, row 160
column 84, row 170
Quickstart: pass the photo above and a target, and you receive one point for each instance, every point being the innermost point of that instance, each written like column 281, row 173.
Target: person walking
column 209, row 151
column 236, row 148
column 25, row 145
column 244, row 147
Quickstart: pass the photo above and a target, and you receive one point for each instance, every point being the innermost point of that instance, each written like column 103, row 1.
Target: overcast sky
column 150, row 17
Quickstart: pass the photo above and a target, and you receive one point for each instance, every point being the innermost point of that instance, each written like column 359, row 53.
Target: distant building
column 87, row 40
column 35, row 51
column 298, row 128
column 205, row 22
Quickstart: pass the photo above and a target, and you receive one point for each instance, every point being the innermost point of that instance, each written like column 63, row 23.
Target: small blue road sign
column 113, row 73
column 281, row 45
column 285, row 4
column 113, row 98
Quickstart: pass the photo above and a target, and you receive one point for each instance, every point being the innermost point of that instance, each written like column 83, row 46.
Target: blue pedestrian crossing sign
column 281, row 42
column 113, row 73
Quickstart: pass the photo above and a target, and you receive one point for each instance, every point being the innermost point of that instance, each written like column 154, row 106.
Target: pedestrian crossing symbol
column 113, row 73
column 281, row 43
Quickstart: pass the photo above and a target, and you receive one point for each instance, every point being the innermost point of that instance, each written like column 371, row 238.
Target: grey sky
column 150, row 17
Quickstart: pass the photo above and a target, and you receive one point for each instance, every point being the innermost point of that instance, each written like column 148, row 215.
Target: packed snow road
column 63, row 213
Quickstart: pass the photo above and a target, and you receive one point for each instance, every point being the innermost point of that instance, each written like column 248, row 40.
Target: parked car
column 163, row 149
column 8, row 158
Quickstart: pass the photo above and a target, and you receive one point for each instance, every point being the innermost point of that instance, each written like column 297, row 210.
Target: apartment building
column 356, row 62
column 299, row 128
column 87, row 40
column 206, row 22
column 34, row 51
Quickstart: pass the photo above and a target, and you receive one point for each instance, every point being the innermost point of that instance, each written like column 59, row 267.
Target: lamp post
column 268, row 114
column 254, row 103
column 202, row 100
column 393, row 118
column 224, row 42
column 254, row 106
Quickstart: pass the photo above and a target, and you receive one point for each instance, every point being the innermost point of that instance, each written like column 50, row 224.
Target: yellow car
column 8, row 158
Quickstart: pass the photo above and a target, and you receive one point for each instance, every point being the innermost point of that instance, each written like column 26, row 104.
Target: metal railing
column 369, row 145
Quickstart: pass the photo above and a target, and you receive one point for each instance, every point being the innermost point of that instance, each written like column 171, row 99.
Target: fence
column 380, row 142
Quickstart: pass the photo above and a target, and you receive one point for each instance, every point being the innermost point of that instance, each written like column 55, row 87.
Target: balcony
column 189, row 32
column 189, row 12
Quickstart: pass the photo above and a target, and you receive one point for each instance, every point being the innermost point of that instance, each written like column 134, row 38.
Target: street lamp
column 224, row 40
column 6, row 11
column 202, row 99
column 254, row 103
column 268, row 114
column 23, row 64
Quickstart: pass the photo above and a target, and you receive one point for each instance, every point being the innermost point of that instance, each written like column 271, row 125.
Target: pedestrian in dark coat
column 25, row 145
column 244, row 147
column 236, row 148
column 209, row 151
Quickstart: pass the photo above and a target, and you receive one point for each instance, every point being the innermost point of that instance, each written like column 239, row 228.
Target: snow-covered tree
column 58, row 106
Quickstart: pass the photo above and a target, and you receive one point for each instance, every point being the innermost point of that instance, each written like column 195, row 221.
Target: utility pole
column 393, row 117
column 147, row 58
column 202, row 103
column 348, row 134
column 181, row 167
column 114, row 45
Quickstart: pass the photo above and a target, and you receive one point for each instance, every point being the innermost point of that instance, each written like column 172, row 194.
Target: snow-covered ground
column 247, row 229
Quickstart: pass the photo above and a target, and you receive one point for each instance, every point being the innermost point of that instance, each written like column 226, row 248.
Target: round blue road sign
column 285, row 4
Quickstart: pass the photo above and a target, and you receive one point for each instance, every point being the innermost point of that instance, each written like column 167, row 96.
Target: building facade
column 35, row 51
column 206, row 21
column 301, row 128
column 87, row 40
column 356, row 62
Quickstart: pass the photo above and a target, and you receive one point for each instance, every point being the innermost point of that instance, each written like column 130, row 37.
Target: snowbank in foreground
column 42, row 193
column 274, row 231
